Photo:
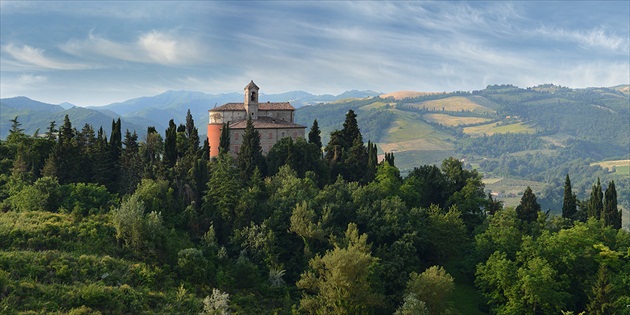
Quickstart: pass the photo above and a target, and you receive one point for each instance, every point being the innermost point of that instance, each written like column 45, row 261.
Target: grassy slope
column 55, row 262
column 415, row 142
column 454, row 121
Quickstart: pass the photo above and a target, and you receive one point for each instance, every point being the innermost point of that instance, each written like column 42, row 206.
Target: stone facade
column 273, row 121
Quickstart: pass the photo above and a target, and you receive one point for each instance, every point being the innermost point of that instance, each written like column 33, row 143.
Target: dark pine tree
column 224, row 139
column 51, row 132
column 131, row 166
column 250, row 154
column 204, row 154
column 192, row 135
column 170, row 145
column 350, row 130
column 115, row 147
column 569, row 203
column 389, row 157
column 102, row 161
column 595, row 203
column 355, row 165
column 611, row 215
column 372, row 161
column 314, row 135
column 528, row 209
column 61, row 162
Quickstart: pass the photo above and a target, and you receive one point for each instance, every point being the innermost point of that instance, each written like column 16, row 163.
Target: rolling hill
column 562, row 131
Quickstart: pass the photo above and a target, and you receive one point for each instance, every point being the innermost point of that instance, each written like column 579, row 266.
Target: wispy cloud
column 34, row 58
column 29, row 79
column 154, row 47
column 598, row 38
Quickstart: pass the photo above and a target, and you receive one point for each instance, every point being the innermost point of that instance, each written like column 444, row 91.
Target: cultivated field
column 453, row 104
column 490, row 129
column 454, row 121
column 400, row 95
column 621, row 167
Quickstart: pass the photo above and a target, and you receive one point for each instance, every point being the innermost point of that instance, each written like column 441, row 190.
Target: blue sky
column 96, row 53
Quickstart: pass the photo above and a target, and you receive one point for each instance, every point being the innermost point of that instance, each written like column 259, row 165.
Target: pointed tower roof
column 252, row 85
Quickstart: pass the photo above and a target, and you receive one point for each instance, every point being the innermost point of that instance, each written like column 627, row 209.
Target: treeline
column 498, row 144
column 301, row 230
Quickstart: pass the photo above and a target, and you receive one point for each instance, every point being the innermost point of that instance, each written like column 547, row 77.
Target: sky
column 96, row 53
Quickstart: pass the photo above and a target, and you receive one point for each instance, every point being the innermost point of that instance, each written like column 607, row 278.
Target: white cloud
column 594, row 38
column 34, row 58
column 29, row 79
column 154, row 47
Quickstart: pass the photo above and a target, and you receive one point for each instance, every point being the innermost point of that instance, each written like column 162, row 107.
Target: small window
column 271, row 135
column 236, row 136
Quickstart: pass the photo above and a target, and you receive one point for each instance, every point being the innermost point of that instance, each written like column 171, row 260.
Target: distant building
column 273, row 121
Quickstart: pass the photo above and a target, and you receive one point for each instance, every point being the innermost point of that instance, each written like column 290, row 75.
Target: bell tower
column 251, row 100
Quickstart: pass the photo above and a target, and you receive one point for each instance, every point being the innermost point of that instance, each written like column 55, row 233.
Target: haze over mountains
column 139, row 113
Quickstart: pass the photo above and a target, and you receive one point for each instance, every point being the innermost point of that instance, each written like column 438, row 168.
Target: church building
column 273, row 121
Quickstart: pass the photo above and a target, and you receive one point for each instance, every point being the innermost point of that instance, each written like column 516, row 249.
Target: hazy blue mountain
column 34, row 115
column 67, row 105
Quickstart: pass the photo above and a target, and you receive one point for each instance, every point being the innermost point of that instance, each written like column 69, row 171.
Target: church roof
column 261, row 106
column 265, row 123
column 252, row 85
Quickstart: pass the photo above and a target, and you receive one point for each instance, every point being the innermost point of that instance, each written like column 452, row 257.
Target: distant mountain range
column 139, row 113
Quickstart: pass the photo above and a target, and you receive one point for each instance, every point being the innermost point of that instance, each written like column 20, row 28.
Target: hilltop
column 515, row 136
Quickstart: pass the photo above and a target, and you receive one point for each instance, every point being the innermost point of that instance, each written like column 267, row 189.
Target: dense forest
column 98, row 224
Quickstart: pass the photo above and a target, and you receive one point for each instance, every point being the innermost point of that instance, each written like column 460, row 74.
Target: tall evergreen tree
column 372, row 161
column 102, row 161
column 61, row 162
column 611, row 215
column 314, row 135
column 350, row 131
column 130, row 164
column 170, row 145
column 205, row 151
column 51, row 131
column 151, row 151
column 192, row 135
column 115, row 145
column 250, row 154
column 569, row 204
column 595, row 203
column 528, row 209
column 224, row 139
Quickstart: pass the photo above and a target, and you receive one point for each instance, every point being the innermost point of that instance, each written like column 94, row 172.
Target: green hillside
column 563, row 131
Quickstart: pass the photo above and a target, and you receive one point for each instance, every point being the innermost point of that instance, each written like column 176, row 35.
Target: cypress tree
column 569, row 204
column 224, row 139
column 115, row 145
column 170, row 144
column 595, row 203
column 372, row 161
column 314, row 135
column 350, row 131
column 611, row 215
column 250, row 154
column 130, row 164
column 205, row 151
column 528, row 209
column 192, row 135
